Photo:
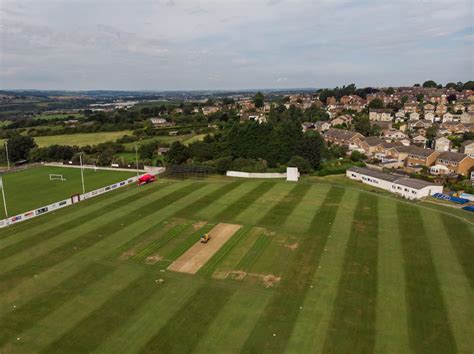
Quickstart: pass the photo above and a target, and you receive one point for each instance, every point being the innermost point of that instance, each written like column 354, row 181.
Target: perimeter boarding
column 76, row 198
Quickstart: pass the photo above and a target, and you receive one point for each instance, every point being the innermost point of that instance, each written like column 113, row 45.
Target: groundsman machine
column 205, row 238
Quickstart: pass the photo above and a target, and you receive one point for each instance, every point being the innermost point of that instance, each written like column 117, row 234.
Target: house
column 458, row 107
column 341, row 120
column 400, row 114
column 393, row 134
column 467, row 148
column 343, row 137
column 456, row 162
column 409, row 188
column 467, row 117
column 442, row 144
column 441, row 109
column 372, row 145
column 381, row 125
column 383, row 115
column 331, row 101
column 322, row 126
column 159, row 122
column 448, row 117
column 419, row 140
column 418, row 124
column 456, row 128
column 163, row 151
column 430, row 117
column 210, row 110
column 307, row 126
column 410, row 107
column 417, row 156
column 414, row 116
column 428, row 108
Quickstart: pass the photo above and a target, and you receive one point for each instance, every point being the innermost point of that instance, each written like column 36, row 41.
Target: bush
column 357, row 156
column 301, row 163
column 249, row 165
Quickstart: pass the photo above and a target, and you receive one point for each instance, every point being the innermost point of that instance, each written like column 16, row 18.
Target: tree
column 301, row 163
column 451, row 85
column 311, row 148
column 258, row 100
column 390, row 91
column 431, row 132
column 148, row 151
column 468, row 85
column 376, row 103
column 357, row 156
column 178, row 153
column 420, row 97
column 362, row 126
column 19, row 147
column 430, row 84
column 451, row 98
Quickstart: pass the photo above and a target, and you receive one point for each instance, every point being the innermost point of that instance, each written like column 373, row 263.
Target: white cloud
column 185, row 44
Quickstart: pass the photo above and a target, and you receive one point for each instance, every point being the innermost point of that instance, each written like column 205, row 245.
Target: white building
column 408, row 188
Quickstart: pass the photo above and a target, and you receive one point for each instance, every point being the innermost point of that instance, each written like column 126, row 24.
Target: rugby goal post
column 56, row 177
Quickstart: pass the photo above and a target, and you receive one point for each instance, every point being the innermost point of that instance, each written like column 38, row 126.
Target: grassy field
column 80, row 139
column 29, row 189
column 318, row 267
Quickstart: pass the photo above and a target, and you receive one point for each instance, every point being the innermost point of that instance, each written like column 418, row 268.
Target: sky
column 230, row 44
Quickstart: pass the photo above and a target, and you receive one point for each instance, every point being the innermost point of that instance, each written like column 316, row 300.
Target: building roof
column 467, row 142
column 452, row 156
column 413, row 183
column 397, row 179
column 341, row 134
column 417, row 151
column 373, row 173
column 373, row 141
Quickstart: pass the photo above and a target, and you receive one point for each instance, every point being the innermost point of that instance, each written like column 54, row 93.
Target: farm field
column 311, row 267
column 80, row 139
column 29, row 189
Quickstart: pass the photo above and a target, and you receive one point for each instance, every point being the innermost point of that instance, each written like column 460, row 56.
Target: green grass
column 31, row 188
column 331, row 268
column 82, row 139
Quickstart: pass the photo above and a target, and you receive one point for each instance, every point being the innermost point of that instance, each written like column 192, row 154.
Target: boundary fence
column 65, row 202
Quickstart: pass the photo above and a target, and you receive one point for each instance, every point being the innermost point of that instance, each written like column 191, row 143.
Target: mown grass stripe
column 462, row 241
column 429, row 328
column 68, row 249
column 69, row 212
column 354, row 312
column 281, row 312
column 278, row 214
column 194, row 237
column 180, row 334
column 253, row 253
column 102, row 322
column 245, row 201
column 206, row 200
column 212, row 264
column 26, row 316
column 154, row 246
column 69, row 225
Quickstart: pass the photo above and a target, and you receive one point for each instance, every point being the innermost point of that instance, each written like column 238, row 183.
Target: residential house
column 163, row 151
column 307, row 126
column 341, row 120
column 331, row 101
column 322, row 126
column 210, row 110
column 420, row 157
column 418, row 124
column 427, row 108
column 448, row 117
column 467, row 117
column 393, row 134
column 383, row 115
column 458, row 107
column 419, row 140
column 467, row 148
column 430, row 117
column 441, row 109
column 414, row 116
column 372, row 145
column 343, row 137
column 456, row 162
column 410, row 107
column 159, row 122
column 442, row 144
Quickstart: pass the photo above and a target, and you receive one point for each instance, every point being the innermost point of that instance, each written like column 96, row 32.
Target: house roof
column 341, row 134
column 373, row 140
column 467, row 142
column 452, row 156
